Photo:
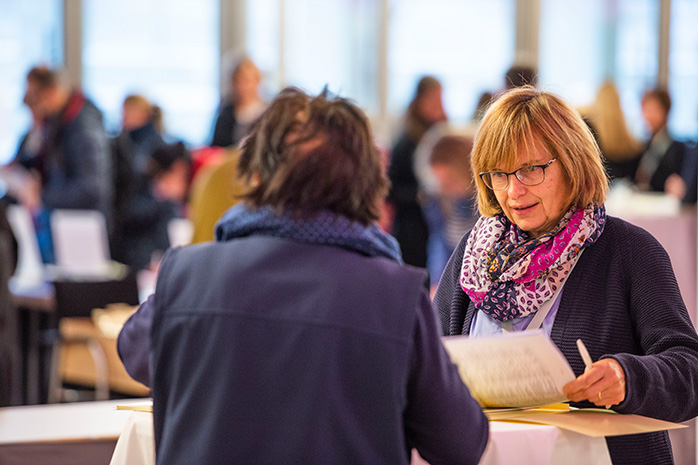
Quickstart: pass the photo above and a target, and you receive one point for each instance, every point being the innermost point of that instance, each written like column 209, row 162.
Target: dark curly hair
column 313, row 153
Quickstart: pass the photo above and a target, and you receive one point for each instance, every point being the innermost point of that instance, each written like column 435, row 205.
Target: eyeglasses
column 528, row 175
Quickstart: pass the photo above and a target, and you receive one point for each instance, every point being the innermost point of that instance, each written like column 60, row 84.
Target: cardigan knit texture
column 623, row 301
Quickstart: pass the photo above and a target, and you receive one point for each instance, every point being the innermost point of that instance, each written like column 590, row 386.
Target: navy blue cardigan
column 623, row 301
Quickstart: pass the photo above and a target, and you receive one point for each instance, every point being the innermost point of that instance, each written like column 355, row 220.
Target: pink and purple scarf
column 508, row 275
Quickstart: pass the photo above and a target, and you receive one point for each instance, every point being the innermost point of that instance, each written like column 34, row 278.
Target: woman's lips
column 521, row 210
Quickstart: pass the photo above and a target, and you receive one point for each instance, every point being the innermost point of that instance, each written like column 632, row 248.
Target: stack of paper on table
column 145, row 406
column 512, row 375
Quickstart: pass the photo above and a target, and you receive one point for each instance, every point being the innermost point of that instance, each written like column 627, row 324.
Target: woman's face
column 654, row 114
column 430, row 106
column 451, row 182
column 535, row 209
column 134, row 116
column 246, row 84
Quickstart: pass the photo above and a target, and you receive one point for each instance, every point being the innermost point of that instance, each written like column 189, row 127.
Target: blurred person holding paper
column 545, row 255
column 64, row 161
column 298, row 336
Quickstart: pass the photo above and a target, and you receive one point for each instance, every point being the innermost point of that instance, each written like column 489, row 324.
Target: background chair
column 77, row 299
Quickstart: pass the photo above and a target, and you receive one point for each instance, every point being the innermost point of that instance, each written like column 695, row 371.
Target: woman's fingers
column 603, row 384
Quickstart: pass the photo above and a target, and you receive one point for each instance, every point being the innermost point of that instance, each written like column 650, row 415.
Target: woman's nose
column 516, row 188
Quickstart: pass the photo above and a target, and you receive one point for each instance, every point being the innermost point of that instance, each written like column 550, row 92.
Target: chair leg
column 101, row 369
column 55, row 383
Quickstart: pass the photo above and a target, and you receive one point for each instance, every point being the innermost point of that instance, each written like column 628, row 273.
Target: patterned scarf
column 322, row 228
column 508, row 275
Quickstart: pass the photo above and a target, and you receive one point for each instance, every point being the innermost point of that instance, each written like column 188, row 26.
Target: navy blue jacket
column 267, row 350
column 623, row 301
column 74, row 160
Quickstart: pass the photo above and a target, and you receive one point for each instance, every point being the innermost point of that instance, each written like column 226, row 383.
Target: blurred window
column 467, row 44
column 330, row 43
column 31, row 33
column 637, row 62
column 262, row 28
column 166, row 50
column 683, row 66
column 584, row 43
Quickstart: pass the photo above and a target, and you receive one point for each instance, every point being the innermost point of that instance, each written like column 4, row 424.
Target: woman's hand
column 603, row 384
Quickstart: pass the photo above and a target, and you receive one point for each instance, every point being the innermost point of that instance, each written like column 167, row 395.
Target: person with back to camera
column 409, row 226
column 545, row 244
column 298, row 336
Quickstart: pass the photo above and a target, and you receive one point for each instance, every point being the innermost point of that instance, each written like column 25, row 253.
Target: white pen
column 586, row 357
column 584, row 353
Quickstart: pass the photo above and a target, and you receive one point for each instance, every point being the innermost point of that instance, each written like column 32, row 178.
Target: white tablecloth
column 60, row 434
column 509, row 444
column 136, row 445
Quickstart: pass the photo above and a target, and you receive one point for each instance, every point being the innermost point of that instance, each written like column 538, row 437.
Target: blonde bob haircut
column 524, row 118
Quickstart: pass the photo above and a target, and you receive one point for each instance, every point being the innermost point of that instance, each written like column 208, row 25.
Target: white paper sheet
column 522, row 369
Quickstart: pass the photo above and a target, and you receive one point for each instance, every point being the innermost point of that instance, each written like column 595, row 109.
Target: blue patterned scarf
column 322, row 228
column 508, row 275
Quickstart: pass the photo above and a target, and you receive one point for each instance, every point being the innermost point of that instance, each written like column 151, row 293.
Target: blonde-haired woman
column 142, row 128
column 544, row 255
column 619, row 147
column 243, row 106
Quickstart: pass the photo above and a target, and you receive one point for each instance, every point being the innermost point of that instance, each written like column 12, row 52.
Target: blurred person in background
column 442, row 167
column 663, row 157
column 300, row 317
column 141, row 132
column 519, row 75
column 131, row 152
column 449, row 204
column 10, row 363
column 242, row 107
column 158, row 197
column 480, row 108
column 409, row 226
column 69, row 166
column 620, row 149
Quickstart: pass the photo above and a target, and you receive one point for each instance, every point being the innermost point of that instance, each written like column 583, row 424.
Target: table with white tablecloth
column 61, row 434
column 676, row 229
column 509, row 444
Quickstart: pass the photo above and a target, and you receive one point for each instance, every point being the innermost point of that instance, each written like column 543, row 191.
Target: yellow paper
column 144, row 407
column 591, row 422
column 505, row 413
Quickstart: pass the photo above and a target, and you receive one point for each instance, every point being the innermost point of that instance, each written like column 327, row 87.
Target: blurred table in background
column 40, row 312
column 77, row 365
column 61, row 434
column 676, row 228
column 673, row 225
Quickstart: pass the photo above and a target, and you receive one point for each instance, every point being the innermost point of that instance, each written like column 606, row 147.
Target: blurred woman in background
column 409, row 226
column 141, row 135
column 619, row 147
column 244, row 105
